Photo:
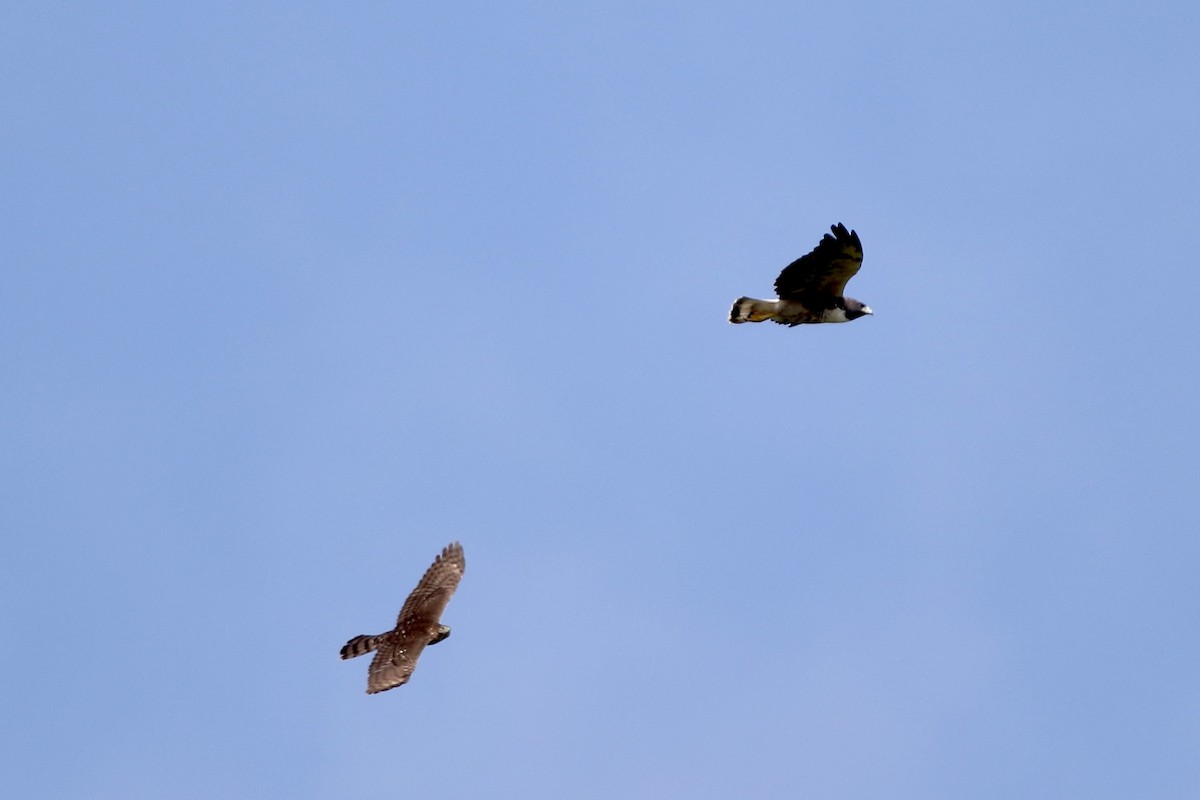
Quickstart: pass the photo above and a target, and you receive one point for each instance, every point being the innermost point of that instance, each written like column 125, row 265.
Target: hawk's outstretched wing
column 825, row 271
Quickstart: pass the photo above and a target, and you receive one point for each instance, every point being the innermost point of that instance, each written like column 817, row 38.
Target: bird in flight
column 810, row 288
column 419, row 625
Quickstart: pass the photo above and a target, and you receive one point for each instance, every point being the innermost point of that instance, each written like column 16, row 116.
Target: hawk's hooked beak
column 867, row 310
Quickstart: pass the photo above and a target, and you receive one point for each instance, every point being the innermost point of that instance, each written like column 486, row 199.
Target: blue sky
column 296, row 294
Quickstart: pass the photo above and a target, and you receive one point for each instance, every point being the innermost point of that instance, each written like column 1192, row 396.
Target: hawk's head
column 442, row 632
column 856, row 309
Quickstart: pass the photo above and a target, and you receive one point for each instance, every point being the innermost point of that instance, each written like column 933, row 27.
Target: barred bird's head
column 442, row 632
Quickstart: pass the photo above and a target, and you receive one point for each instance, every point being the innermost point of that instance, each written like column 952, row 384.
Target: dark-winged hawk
column 419, row 624
column 810, row 288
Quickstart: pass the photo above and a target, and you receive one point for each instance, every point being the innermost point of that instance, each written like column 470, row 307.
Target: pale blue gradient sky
column 295, row 294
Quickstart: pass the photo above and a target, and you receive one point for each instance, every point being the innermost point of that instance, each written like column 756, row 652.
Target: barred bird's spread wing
column 425, row 605
column 394, row 662
column 825, row 271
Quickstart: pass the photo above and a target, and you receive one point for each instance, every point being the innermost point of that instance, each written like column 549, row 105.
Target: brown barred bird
column 419, row 625
column 810, row 288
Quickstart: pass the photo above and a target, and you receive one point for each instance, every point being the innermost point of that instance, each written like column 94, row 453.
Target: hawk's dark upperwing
column 824, row 271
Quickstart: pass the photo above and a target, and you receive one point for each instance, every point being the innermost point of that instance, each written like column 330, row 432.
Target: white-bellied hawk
column 810, row 288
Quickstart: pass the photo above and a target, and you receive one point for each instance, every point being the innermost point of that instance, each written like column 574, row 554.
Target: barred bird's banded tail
column 359, row 646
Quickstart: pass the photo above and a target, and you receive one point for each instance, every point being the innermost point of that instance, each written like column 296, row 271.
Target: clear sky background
column 295, row 294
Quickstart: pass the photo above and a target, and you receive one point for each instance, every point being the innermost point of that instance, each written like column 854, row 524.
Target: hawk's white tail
column 747, row 309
